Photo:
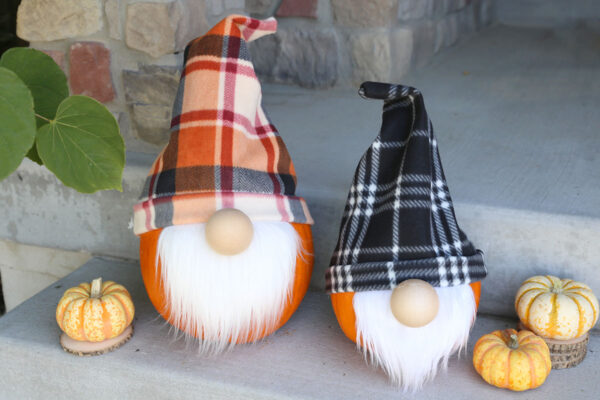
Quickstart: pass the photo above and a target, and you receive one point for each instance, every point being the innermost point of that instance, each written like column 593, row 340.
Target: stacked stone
column 127, row 53
column 124, row 53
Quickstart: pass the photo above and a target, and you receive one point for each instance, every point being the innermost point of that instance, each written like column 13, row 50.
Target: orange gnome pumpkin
column 151, row 273
column 225, row 245
column 404, row 279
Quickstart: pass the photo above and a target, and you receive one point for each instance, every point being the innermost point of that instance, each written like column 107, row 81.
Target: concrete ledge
column 309, row 358
column 39, row 210
column 27, row 270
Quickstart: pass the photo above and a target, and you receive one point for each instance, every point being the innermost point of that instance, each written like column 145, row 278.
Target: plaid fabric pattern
column 223, row 152
column 399, row 220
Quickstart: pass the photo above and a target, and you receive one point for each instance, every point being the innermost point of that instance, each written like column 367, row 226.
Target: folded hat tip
column 252, row 28
column 385, row 91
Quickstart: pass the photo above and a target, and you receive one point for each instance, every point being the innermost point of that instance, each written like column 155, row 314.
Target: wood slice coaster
column 565, row 353
column 84, row 348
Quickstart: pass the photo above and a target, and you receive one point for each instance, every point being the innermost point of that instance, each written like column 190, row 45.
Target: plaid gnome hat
column 223, row 152
column 399, row 221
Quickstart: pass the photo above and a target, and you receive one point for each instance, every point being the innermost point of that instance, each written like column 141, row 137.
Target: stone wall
column 127, row 53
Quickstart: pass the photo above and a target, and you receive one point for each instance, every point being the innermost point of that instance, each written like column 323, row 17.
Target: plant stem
column 44, row 118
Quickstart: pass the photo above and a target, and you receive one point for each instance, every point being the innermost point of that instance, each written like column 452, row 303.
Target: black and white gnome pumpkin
column 404, row 278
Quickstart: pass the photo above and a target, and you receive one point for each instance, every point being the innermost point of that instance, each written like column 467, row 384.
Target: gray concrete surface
column 546, row 12
column 309, row 358
column 515, row 113
column 26, row 269
column 38, row 209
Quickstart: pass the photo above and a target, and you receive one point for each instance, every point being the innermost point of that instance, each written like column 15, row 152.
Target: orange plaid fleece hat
column 223, row 152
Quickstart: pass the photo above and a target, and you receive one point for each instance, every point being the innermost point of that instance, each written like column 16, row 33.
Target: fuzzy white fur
column 411, row 356
column 225, row 297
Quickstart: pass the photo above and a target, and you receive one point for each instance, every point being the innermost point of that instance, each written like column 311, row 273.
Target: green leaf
column 43, row 77
column 33, row 155
column 83, row 146
column 17, row 121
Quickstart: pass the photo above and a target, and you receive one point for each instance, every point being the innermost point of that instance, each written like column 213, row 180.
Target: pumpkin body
column 511, row 360
column 151, row 274
column 94, row 319
column 556, row 308
column 344, row 309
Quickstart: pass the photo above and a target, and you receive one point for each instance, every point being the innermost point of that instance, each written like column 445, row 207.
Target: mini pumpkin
column 151, row 274
column 556, row 308
column 95, row 312
column 512, row 360
column 344, row 310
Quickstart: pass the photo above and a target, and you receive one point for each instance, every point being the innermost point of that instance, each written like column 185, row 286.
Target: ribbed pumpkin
column 95, row 312
column 344, row 310
column 512, row 360
column 151, row 274
column 556, row 308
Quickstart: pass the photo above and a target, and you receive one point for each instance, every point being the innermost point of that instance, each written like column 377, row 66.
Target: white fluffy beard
column 226, row 298
column 411, row 356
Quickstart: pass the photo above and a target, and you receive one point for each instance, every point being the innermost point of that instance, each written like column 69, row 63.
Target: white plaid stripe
column 401, row 249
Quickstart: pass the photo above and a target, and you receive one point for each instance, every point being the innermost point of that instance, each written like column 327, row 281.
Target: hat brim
column 385, row 275
column 195, row 208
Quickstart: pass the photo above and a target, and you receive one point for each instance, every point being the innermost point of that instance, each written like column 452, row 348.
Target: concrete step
column 27, row 269
column 515, row 113
column 546, row 12
column 309, row 358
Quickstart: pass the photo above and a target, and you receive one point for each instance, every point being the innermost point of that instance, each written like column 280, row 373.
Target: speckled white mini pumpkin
column 95, row 312
column 556, row 308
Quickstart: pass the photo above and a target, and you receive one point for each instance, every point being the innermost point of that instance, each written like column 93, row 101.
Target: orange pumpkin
column 344, row 310
column 151, row 275
column 512, row 360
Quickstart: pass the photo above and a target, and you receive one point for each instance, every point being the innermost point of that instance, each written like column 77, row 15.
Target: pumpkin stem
column 514, row 342
column 556, row 287
column 96, row 288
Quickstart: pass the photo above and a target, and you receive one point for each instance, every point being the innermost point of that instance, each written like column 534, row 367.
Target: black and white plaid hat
column 399, row 220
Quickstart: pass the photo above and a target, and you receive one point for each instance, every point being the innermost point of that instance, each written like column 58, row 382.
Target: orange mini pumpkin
column 344, row 309
column 151, row 274
column 512, row 360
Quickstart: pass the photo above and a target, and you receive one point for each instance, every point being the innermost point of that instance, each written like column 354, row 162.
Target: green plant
column 75, row 137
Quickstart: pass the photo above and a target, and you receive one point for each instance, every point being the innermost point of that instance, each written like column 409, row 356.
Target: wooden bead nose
column 414, row 303
column 229, row 231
